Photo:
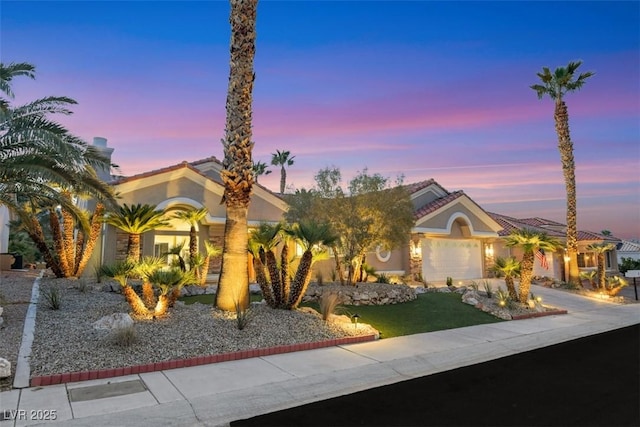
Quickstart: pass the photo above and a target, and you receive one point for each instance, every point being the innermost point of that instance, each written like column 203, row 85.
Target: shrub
column 449, row 281
column 243, row 316
column 488, row 288
column 629, row 264
column 124, row 337
column 328, row 303
column 382, row 278
column 319, row 278
column 82, row 286
column 52, row 298
column 502, row 295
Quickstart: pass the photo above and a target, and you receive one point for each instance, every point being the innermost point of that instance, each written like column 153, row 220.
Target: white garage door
column 458, row 259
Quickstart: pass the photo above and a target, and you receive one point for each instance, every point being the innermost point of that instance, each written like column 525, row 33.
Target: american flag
column 542, row 258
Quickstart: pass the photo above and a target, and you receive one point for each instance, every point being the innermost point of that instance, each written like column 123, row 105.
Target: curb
column 541, row 314
column 193, row 361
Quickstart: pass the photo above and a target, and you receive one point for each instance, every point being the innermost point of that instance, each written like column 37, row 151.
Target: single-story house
column 452, row 237
column 628, row 249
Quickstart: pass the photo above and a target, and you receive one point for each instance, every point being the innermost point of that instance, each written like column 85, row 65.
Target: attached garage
column 456, row 258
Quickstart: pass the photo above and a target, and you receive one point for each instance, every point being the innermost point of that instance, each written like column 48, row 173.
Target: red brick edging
column 193, row 361
column 541, row 314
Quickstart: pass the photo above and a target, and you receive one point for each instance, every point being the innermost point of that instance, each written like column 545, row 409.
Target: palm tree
column 144, row 269
column 262, row 243
column 192, row 217
column 170, row 283
column 260, row 168
column 211, row 251
column 121, row 271
column 529, row 241
column 282, row 159
column 312, row 236
column 556, row 85
column 44, row 167
column 601, row 249
column 237, row 173
column 508, row 268
column 135, row 220
column 40, row 156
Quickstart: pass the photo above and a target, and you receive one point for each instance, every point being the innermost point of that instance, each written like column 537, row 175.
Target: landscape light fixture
column 355, row 318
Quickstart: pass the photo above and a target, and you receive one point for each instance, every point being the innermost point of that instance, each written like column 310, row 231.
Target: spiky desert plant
column 591, row 276
column 614, row 285
column 328, row 303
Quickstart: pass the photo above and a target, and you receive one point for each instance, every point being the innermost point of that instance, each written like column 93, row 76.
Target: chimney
column 101, row 145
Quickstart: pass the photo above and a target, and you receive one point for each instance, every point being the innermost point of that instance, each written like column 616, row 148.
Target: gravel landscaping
column 66, row 341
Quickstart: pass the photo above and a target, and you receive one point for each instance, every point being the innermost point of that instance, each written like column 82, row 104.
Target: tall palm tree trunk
column 602, row 277
column 526, row 274
column 565, row 146
column 233, row 287
column 283, row 179
column 237, row 173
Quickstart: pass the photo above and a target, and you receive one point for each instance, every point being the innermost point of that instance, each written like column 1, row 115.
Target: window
column 587, row 260
column 160, row 251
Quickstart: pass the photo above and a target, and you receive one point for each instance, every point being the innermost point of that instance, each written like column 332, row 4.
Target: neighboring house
column 451, row 238
column 556, row 263
column 627, row 249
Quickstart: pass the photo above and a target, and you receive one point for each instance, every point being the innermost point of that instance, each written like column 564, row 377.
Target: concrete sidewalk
column 214, row 395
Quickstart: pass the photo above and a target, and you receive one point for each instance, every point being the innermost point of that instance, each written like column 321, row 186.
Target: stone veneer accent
column 364, row 293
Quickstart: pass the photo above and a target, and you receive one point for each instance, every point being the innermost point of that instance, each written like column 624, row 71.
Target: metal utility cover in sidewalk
column 106, row 390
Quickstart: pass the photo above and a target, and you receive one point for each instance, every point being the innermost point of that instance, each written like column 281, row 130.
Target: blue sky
column 425, row 89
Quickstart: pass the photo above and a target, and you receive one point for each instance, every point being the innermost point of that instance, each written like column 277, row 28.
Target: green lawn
column 430, row 312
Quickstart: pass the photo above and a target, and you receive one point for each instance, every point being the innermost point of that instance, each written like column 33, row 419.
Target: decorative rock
column 364, row 293
column 114, row 321
column 420, row 290
column 444, row 290
column 5, row 368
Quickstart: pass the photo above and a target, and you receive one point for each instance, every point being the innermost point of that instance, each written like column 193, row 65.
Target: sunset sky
column 425, row 89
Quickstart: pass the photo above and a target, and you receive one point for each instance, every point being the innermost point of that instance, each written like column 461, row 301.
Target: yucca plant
column 488, row 288
column 503, row 297
column 328, row 303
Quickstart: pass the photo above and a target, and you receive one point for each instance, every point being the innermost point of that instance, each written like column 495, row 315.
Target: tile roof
column 183, row 164
column 417, row 186
column 627, row 246
column 511, row 224
column 437, row 204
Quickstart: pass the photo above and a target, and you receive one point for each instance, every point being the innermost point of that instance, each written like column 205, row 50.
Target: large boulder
column 114, row 321
column 5, row 368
